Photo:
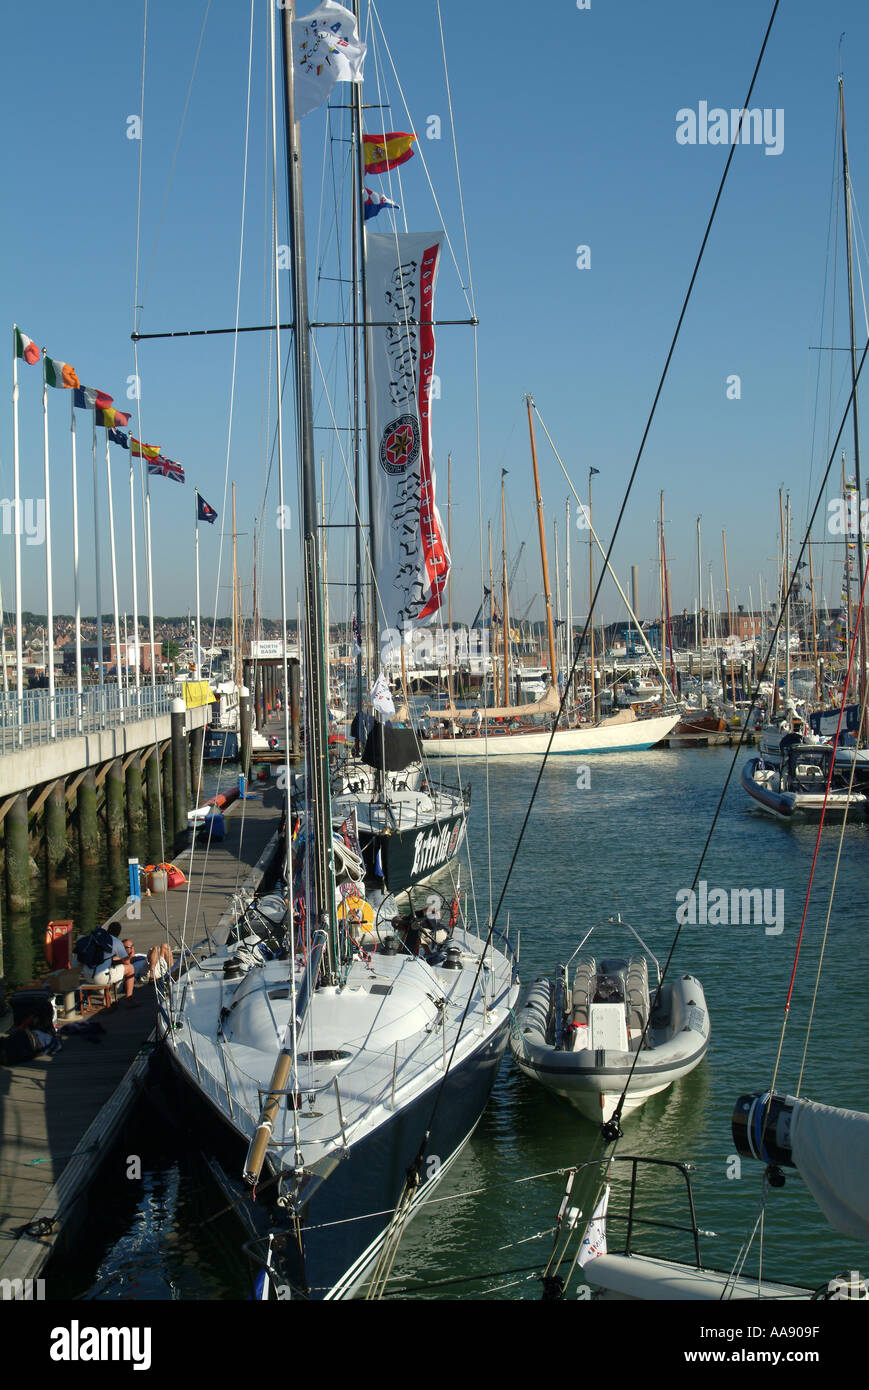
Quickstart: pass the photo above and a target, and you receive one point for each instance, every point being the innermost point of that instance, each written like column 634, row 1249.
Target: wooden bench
column 90, row 997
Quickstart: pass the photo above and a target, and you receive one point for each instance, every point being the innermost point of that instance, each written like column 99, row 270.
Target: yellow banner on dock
column 197, row 694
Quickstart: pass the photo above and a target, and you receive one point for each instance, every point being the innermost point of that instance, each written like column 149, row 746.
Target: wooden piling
column 55, row 826
column 166, row 773
column 88, row 826
column 114, row 785
column 17, row 856
column 135, row 807
column 152, row 783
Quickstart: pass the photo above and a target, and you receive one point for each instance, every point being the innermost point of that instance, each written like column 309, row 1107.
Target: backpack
column 93, row 949
column 19, row 1046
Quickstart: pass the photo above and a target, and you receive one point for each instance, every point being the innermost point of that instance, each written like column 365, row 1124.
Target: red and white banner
column 411, row 561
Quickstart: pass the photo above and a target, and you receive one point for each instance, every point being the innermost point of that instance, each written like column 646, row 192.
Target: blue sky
column 566, row 126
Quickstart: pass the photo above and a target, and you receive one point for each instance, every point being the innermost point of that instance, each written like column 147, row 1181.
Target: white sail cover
column 411, row 561
column 831, row 1150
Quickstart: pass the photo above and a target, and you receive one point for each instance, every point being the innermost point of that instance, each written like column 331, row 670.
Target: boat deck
column 59, row 1113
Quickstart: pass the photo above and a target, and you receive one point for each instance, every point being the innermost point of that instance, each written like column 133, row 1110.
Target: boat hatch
column 609, row 1027
column 380, row 989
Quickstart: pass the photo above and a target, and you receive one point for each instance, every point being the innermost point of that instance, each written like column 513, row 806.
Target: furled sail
column 411, row 560
column 830, row 1148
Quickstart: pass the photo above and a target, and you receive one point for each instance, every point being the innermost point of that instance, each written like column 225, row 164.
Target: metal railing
column 38, row 719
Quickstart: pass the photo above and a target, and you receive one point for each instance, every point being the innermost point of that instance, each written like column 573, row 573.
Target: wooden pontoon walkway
column 58, row 1114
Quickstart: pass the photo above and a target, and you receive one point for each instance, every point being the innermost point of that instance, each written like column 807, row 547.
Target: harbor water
column 620, row 834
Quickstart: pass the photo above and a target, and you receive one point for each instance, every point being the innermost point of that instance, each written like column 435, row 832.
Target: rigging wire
column 860, row 729
column 494, row 917
column 855, row 642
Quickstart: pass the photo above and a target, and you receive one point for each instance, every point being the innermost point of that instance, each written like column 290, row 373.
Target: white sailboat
column 513, row 731
column 349, row 1060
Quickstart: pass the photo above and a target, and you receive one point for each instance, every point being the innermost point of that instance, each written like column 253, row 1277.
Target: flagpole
column 75, row 569
column 149, row 575
column 198, row 636
column 3, row 643
column 19, row 652
column 135, row 584
column 97, row 568
column 48, row 578
column 114, row 579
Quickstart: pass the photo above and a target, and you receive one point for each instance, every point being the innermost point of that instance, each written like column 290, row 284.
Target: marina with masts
column 427, row 909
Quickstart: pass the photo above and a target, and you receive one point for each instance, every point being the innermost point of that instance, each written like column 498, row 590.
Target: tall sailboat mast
column 317, row 743
column 505, row 616
column 355, row 241
column 861, row 670
column 450, row 580
column 595, row 699
column 699, row 628
column 787, row 581
column 236, row 658
column 540, row 527
column 363, row 289
column 729, row 619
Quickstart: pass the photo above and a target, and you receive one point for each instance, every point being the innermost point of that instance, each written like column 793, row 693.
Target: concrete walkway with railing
column 39, row 743
column 59, row 1115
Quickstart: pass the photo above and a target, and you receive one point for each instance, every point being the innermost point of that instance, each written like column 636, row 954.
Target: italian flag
column 26, row 348
column 60, row 374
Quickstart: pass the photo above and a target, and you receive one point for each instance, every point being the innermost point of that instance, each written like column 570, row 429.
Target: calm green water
column 625, row 844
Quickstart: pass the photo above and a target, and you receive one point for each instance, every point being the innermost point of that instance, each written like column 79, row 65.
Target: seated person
column 139, row 962
column 114, row 968
column 160, row 960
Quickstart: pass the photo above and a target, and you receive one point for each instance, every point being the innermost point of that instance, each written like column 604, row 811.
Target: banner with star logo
column 411, row 560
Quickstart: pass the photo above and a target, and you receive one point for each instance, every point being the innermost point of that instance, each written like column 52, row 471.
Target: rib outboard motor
column 761, row 1128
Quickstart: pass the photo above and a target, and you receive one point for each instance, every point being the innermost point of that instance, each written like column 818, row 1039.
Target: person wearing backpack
column 106, row 961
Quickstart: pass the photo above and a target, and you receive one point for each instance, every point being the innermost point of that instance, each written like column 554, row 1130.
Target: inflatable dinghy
column 581, row 1034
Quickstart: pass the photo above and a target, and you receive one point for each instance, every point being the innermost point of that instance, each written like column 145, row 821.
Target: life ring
column 357, row 911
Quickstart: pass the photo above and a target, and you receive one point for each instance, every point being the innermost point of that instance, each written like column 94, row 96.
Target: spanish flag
column 383, row 152
column 144, row 451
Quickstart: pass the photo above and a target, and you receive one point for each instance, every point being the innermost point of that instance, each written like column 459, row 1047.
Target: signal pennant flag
column 374, row 203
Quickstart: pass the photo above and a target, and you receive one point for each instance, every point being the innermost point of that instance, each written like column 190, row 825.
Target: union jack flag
column 166, row 468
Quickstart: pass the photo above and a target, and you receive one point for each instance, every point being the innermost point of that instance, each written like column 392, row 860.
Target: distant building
column 90, row 655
